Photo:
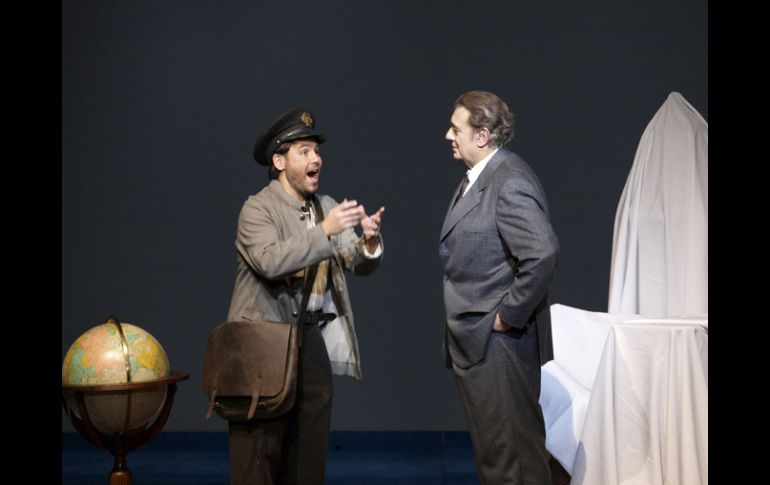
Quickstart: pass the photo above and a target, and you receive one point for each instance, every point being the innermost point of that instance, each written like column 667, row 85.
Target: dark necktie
column 462, row 189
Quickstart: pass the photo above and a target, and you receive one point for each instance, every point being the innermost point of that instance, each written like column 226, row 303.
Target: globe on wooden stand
column 115, row 378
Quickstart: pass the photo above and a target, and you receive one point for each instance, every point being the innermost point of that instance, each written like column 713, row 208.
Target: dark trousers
column 290, row 449
column 500, row 397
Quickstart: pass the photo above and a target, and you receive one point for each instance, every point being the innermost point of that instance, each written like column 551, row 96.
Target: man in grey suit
column 280, row 235
column 499, row 253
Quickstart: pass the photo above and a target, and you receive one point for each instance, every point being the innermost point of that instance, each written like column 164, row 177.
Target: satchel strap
column 309, row 279
column 212, row 401
column 254, row 398
column 309, row 276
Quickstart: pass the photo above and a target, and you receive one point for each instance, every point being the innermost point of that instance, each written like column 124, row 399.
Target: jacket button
column 294, row 314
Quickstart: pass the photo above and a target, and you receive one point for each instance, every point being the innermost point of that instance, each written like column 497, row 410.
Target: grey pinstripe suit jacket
column 499, row 253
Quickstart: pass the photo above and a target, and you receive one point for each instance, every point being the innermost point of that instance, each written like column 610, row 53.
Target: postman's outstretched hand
column 371, row 228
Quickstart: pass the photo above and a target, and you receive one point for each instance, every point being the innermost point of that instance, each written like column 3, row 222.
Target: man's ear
column 279, row 161
column 482, row 137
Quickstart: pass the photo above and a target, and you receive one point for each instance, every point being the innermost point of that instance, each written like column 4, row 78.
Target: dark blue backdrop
column 162, row 101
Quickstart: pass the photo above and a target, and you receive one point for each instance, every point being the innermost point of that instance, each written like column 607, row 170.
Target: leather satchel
column 250, row 367
column 254, row 360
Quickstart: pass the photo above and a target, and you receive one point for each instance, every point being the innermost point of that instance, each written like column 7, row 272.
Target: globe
column 116, row 353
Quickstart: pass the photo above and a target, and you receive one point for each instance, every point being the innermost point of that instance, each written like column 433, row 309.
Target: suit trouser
column 500, row 396
column 290, row 449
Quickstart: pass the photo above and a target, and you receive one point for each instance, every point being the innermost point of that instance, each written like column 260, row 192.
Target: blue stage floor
column 370, row 458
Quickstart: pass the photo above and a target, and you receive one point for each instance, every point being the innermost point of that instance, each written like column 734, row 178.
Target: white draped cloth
column 625, row 399
column 647, row 418
column 660, row 241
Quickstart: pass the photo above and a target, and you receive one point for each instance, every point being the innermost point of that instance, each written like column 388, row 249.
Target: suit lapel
column 473, row 197
column 470, row 200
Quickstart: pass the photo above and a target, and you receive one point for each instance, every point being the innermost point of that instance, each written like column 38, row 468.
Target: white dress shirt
column 474, row 172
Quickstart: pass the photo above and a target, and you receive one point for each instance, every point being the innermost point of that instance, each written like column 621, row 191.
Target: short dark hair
column 490, row 112
column 282, row 149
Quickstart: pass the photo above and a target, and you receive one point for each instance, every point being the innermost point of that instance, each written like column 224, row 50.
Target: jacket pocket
column 485, row 306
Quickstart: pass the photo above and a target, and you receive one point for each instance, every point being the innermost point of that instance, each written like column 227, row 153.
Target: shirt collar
column 473, row 173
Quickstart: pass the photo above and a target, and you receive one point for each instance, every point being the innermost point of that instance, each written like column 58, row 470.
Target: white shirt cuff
column 376, row 253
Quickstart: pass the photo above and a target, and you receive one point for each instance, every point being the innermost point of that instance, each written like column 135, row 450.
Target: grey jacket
column 499, row 253
column 274, row 247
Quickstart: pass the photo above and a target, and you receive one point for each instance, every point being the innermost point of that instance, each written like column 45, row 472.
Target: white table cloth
column 635, row 411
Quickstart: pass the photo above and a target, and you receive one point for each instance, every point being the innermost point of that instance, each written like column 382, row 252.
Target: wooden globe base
column 120, row 444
